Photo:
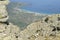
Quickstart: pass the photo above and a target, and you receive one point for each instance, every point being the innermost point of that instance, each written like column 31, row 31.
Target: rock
column 3, row 13
column 40, row 38
column 46, row 29
column 10, row 37
column 4, row 2
column 9, row 32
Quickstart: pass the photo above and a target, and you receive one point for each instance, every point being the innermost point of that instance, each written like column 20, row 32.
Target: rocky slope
column 46, row 29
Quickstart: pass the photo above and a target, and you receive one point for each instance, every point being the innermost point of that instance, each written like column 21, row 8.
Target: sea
column 42, row 6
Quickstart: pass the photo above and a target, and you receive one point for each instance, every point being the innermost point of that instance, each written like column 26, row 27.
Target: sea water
column 42, row 6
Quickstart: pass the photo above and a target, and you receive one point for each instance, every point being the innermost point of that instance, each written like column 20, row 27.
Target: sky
column 41, row 6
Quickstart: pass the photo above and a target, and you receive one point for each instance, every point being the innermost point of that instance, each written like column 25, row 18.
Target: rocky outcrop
column 8, row 31
column 3, row 13
column 46, row 29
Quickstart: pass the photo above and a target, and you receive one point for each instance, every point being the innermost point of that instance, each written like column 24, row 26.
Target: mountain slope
column 22, row 17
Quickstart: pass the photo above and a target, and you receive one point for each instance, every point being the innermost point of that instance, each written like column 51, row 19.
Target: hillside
column 22, row 17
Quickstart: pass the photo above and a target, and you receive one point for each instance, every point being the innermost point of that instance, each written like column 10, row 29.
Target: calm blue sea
column 41, row 6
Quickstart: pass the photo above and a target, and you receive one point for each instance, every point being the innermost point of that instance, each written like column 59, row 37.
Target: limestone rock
column 40, row 38
column 9, row 32
column 3, row 13
column 46, row 29
column 4, row 2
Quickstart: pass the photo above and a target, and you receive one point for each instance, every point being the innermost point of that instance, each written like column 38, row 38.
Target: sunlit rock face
column 4, row 2
column 46, row 29
column 8, row 31
column 3, row 12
